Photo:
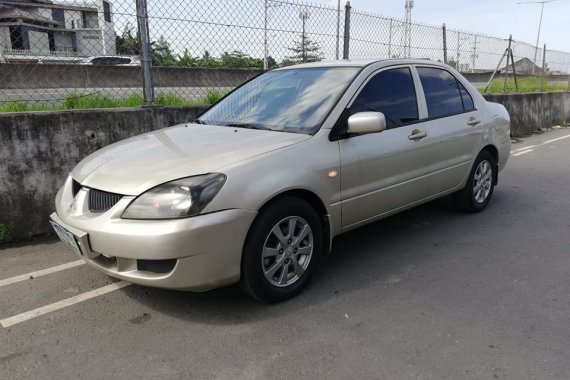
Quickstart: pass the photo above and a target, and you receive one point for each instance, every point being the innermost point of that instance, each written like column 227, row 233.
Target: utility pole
column 408, row 29
column 266, row 5
column 539, row 26
column 458, row 54
column 304, row 15
column 474, row 55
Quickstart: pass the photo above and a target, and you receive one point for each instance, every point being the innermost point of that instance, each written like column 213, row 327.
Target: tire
column 477, row 193
column 277, row 266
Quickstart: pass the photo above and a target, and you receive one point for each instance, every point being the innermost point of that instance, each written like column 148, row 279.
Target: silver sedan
column 254, row 190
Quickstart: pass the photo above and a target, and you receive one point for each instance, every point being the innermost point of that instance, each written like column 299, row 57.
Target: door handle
column 417, row 135
column 473, row 121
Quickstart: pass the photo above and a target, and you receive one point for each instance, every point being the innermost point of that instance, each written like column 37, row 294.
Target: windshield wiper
column 198, row 121
column 248, row 126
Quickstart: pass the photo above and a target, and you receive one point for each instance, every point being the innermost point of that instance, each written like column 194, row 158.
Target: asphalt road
column 428, row 294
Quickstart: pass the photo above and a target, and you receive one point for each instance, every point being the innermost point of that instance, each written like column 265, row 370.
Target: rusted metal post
column 444, row 44
column 146, row 58
column 543, row 68
column 346, row 48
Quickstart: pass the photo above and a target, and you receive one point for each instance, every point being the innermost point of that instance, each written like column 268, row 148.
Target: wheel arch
column 315, row 201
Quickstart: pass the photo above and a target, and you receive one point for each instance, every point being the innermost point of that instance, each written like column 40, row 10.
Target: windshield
column 293, row 100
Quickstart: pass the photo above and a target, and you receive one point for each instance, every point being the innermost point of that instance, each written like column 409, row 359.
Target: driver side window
column 391, row 92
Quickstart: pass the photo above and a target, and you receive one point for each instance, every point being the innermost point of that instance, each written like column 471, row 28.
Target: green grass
column 90, row 101
column 6, row 233
column 526, row 85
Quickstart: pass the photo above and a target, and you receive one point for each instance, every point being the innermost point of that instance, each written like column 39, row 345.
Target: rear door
column 453, row 124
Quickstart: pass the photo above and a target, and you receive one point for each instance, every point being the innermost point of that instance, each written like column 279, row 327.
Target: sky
column 496, row 17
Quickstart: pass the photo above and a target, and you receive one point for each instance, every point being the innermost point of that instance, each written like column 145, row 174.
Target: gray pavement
column 427, row 294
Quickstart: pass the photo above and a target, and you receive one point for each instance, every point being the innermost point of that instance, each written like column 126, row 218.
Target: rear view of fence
column 103, row 53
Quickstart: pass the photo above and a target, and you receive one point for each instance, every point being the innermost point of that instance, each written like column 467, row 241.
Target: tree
column 238, row 59
column 271, row 62
column 128, row 43
column 453, row 63
column 186, row 60
column 207, row 60
column 305, row 50
column 161, row 53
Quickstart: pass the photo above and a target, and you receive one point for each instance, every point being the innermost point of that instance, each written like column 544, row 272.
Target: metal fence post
column 543, row 69
column 444, row 44
column 337, row 31
column 146, row 59
column 390, row 39
column 513, row 64
column 346, row 47
column 507, row 67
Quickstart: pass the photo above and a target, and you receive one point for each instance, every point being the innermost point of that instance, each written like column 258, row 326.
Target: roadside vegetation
column 526, row 85
column 89, row 101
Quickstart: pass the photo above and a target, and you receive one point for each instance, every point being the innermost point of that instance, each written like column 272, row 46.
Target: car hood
column 137, row 164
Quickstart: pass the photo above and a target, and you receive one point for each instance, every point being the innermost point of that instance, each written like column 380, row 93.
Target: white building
column 40, row 30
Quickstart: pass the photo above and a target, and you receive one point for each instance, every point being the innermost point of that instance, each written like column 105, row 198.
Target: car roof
column 362, row 63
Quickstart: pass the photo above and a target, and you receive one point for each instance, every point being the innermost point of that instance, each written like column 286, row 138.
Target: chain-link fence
column 91, row 53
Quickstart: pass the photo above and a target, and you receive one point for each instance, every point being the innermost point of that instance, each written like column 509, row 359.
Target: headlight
column 176, row 199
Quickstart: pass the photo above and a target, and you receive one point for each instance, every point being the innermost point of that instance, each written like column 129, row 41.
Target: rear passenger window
column 467, row 99
column 391, row 92
column 442, row 92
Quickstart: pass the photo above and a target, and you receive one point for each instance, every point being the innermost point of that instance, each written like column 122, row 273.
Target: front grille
column 101, row 201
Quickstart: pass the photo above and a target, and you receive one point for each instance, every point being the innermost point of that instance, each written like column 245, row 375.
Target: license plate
column 67, row 237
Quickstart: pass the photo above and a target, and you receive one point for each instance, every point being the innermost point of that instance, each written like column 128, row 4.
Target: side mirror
column 366, row 122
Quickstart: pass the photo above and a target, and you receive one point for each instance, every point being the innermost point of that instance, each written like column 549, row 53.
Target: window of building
column 16, row 37
column 51, row 40
column 107, row 11
column 89, row 20
column 58, row 15
column 391, row 92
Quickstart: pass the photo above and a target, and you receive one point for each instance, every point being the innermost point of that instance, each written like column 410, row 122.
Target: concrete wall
column 530, row 112
column 41, row 76
column 38, row 150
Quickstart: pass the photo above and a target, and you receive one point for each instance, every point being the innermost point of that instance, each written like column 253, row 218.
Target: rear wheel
column 282, row 250
column 477, row 193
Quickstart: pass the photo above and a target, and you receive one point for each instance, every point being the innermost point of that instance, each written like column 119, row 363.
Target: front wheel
column 282, row 250
column 477, row 193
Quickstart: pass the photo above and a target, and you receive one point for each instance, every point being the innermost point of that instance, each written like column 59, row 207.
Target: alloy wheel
column 287, row 251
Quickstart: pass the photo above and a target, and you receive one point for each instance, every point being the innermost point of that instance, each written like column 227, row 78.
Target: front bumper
column 199, row 253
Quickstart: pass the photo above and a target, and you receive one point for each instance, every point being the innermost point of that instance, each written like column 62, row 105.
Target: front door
column 384, row 172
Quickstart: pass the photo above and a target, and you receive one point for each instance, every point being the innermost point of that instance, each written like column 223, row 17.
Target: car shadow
column 374, row 255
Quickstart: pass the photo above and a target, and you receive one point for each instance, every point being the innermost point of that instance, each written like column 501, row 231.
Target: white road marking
column 522, row 152
column 527, row 149
column 559, row 138
column 524, row 148
column 40, row 273
column 61, row 304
